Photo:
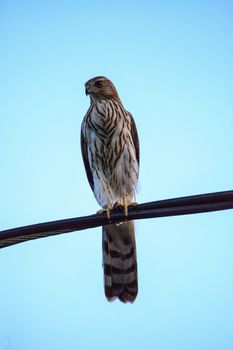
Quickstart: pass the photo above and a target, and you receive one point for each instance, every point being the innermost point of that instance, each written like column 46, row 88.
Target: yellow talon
column 124, row 205
column 105, row 210
column 119, row 204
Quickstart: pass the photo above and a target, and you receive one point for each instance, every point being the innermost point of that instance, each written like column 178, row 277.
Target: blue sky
column 171, row 62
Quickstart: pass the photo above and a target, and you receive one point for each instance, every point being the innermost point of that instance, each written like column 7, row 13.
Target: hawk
column 110, row 151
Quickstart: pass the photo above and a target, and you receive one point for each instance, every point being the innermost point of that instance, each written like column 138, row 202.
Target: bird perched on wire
column 110, row 150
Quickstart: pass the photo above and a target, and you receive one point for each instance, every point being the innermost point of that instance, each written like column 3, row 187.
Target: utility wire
column 169, row 207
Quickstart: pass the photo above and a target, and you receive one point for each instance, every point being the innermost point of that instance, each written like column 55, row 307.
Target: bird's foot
column 124, row 204
column 119, row 204
column 105, row 210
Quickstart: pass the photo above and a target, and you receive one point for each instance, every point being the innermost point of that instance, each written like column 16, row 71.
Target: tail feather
column 120, row 262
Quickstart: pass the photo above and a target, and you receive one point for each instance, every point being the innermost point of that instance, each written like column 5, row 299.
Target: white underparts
column 111, row 153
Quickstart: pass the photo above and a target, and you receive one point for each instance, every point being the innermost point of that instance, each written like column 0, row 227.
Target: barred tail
column 120, row 262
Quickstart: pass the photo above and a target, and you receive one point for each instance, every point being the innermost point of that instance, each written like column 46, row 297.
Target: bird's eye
column 98, row 84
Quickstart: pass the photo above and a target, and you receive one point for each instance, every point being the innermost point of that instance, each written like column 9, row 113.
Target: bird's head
column 101, row 88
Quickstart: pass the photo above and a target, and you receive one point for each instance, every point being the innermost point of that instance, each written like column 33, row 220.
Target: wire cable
column 169, row 207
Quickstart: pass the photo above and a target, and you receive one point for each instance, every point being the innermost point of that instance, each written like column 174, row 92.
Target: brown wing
column 86, row 161
column 135, row 138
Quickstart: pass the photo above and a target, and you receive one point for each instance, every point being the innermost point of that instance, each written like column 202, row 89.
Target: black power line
column 169, row 207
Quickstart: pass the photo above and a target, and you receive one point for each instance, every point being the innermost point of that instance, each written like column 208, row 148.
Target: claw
column 126, row 209
column 118, row 204
column 105, row 210
column 124, row 205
